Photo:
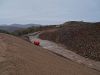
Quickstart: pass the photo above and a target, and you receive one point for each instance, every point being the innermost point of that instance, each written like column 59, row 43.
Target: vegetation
column 80, row 37
column 3, row 31
column 32, row 29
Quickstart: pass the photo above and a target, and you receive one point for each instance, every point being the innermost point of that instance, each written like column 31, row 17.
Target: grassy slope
column 80, row 37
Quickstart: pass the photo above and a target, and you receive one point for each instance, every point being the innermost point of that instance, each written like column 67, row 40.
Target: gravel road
column 53, row 47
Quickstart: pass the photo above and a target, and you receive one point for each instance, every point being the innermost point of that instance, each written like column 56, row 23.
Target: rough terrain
column 82, row 38
column 18, row 57
column 62, row 51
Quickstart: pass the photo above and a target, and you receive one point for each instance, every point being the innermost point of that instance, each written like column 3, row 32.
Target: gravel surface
column 19, row 57
column 51, row 46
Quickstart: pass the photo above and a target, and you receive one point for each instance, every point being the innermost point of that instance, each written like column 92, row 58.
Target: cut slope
column 18, row 57
column 80, row 37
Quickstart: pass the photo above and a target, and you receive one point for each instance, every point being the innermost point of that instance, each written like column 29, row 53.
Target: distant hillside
column 25, row 25
column 9, row 28
column 33, row 29
column 80, row 37
column 14, row 27
column 3, row 31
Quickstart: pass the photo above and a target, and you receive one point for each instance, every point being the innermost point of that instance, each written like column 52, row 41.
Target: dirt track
column 62, row 51
column 18, row 57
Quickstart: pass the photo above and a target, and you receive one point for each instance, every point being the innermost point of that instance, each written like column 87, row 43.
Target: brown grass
column 80, row 37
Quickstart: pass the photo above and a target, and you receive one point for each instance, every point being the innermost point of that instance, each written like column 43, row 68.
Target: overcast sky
column 48, row 11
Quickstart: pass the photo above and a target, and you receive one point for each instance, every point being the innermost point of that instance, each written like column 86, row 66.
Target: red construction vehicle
column 36, row 42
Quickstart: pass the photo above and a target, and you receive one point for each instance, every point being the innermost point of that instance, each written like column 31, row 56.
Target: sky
column 48, row 11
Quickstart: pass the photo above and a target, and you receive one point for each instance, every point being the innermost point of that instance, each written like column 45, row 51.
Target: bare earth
column 18, row 57
column 62, row 51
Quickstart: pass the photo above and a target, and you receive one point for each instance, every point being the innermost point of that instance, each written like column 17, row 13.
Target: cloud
column 48, row 11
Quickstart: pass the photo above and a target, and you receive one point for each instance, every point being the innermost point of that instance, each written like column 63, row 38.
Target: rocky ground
column 62, row 51
column 19, row 57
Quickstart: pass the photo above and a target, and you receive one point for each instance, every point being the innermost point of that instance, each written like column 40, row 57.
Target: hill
column 18, row 57
column 33, row 29
column 3, row 31
column 14, row 27
column 9, row 28
column 25, row 25
column 80, row 37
